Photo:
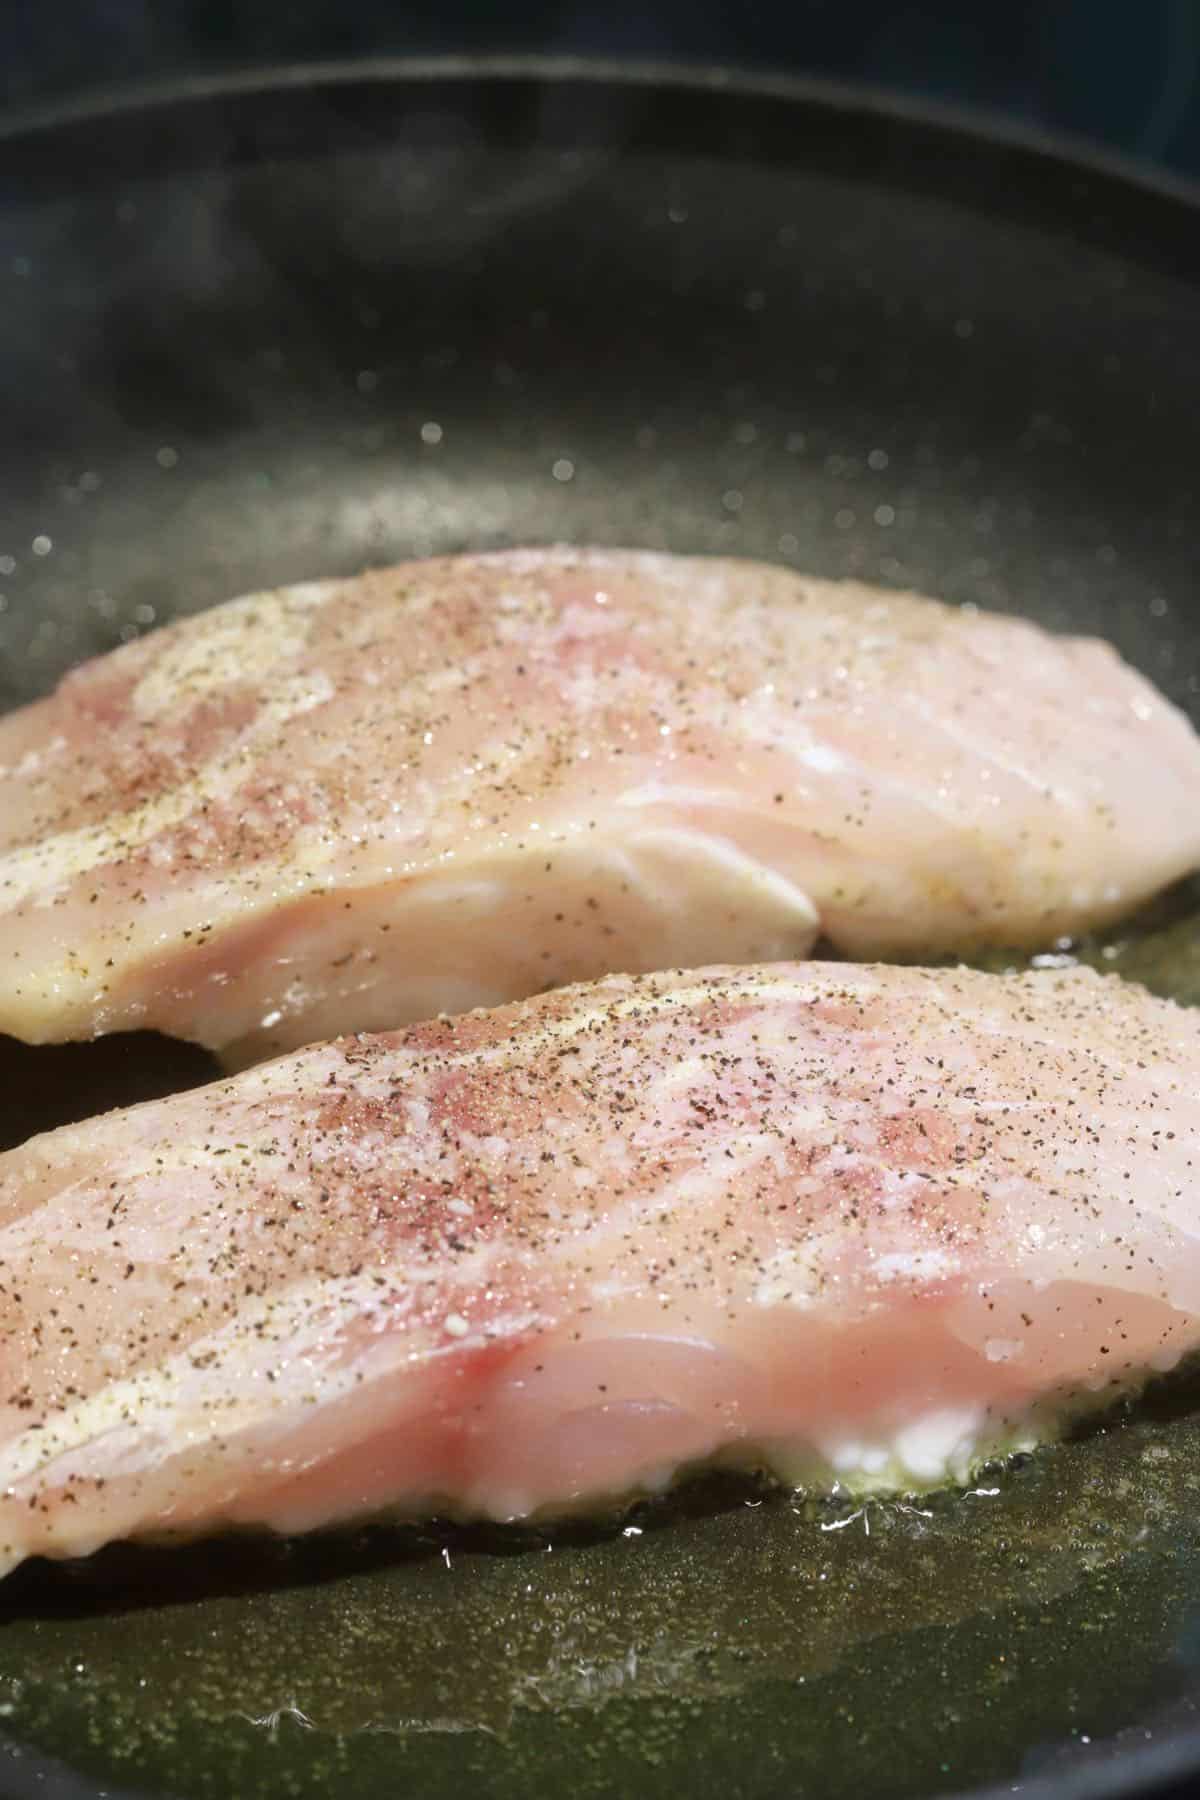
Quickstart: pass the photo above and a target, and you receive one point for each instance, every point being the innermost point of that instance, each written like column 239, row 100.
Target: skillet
column 290, row 324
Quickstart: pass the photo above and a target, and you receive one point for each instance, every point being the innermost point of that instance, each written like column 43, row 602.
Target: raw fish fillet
column 348, row 805
column 862, row 1223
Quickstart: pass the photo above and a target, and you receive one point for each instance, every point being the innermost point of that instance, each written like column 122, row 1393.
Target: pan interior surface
column 268, row 334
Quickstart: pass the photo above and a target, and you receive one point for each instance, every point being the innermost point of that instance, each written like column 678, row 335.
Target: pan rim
column 985, row 126
column 1140, row 1772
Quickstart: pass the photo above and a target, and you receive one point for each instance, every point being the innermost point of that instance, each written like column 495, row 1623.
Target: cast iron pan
column 297, row 324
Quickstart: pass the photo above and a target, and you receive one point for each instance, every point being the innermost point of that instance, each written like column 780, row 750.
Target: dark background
column 1126, row 74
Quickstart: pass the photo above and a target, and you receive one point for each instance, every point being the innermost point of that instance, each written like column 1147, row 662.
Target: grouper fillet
column 348, row 805
column 865, row 1224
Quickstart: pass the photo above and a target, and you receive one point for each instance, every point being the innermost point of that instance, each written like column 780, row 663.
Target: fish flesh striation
column 346, row 805
column 855, row 1223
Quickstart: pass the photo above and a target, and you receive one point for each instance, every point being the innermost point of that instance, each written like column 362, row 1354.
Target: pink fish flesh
column 863, row 1223
column 351, row 804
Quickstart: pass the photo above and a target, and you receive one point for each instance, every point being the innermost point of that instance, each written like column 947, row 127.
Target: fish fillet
column 862, row 1223
column 351, row 804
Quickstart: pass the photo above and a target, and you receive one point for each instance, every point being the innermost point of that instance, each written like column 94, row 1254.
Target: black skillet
column 259, row 330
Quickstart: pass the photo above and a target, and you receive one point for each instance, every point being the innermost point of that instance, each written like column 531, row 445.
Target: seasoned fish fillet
column 856, row 1222
column 348, row 805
